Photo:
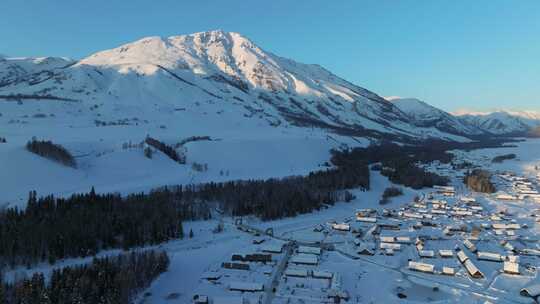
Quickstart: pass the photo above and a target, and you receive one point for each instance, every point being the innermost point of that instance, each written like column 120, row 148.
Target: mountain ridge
column 493, row 123
column 226, row 68
column 425, row 115
column 504, row 122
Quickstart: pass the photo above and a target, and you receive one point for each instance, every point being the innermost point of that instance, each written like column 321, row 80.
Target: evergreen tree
column 105, row 280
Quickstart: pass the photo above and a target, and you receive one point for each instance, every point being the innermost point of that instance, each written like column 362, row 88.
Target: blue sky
column 453, row 54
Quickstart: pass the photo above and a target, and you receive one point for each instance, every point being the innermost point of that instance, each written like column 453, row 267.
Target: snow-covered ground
column 259, row 151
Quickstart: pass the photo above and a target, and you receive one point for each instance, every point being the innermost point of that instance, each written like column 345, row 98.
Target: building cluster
column 442, row 234
column 242, row 278
column 304, row 275
column 519, row 188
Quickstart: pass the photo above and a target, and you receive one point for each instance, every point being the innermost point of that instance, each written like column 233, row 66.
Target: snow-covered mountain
column 15, row 70
column 425, row 115
column 506, row 123
column 503, row 122
column 217, row 71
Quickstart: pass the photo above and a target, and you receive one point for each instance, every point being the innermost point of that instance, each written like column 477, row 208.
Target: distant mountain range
column 496, row 123
column 221, row 72
column 427, row 116
column 503, row 122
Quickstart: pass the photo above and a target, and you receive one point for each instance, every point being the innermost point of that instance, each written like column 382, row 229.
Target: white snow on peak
column 424, row 114
column 413, row 106
column 502, row 121
column 529, row 114
column 15, row 68
column 391, row 98
column 208, row 53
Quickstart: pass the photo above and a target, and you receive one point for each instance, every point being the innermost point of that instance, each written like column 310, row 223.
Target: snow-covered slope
column 425, row 115
column 219, row 71
column 466, row 123
column 29, row 70
column 503, row 122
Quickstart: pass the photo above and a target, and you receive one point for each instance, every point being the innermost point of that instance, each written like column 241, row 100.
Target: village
column 445, row 241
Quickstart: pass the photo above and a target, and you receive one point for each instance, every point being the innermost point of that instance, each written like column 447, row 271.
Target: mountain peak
column 209, row 54
column 219, row 33
column 200, row 52
column 392, row 98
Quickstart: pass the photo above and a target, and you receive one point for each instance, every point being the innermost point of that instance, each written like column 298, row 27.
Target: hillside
column 425, row 115
column 469, row 124
column 503, row 122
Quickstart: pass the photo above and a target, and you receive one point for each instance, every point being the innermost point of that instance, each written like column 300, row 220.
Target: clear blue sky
column 480, row 54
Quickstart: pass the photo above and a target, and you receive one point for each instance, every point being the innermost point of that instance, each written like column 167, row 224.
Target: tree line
column 166, row 149
column 398, row 163
column 277, row 198
column 55, row 152
column 404, row 171
column 51, row 228
column 502, row 158
column 105, row 280
column 425, row 152
column 55, row 228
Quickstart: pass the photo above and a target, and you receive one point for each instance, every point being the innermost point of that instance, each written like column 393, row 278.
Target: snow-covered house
column 461, row 256
column 470, row 245
column 305, row 259
column 341, row 227
column 273, row 248
column 366, row 219
column 246, row 286
column 309, row 250
column 426, row 253
column 489, row 256
column 299, row 273
column 473, row 270
column 511, row 267
column 444, row 253
column 448, row 270
column 392, row 246
column 422, row 267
